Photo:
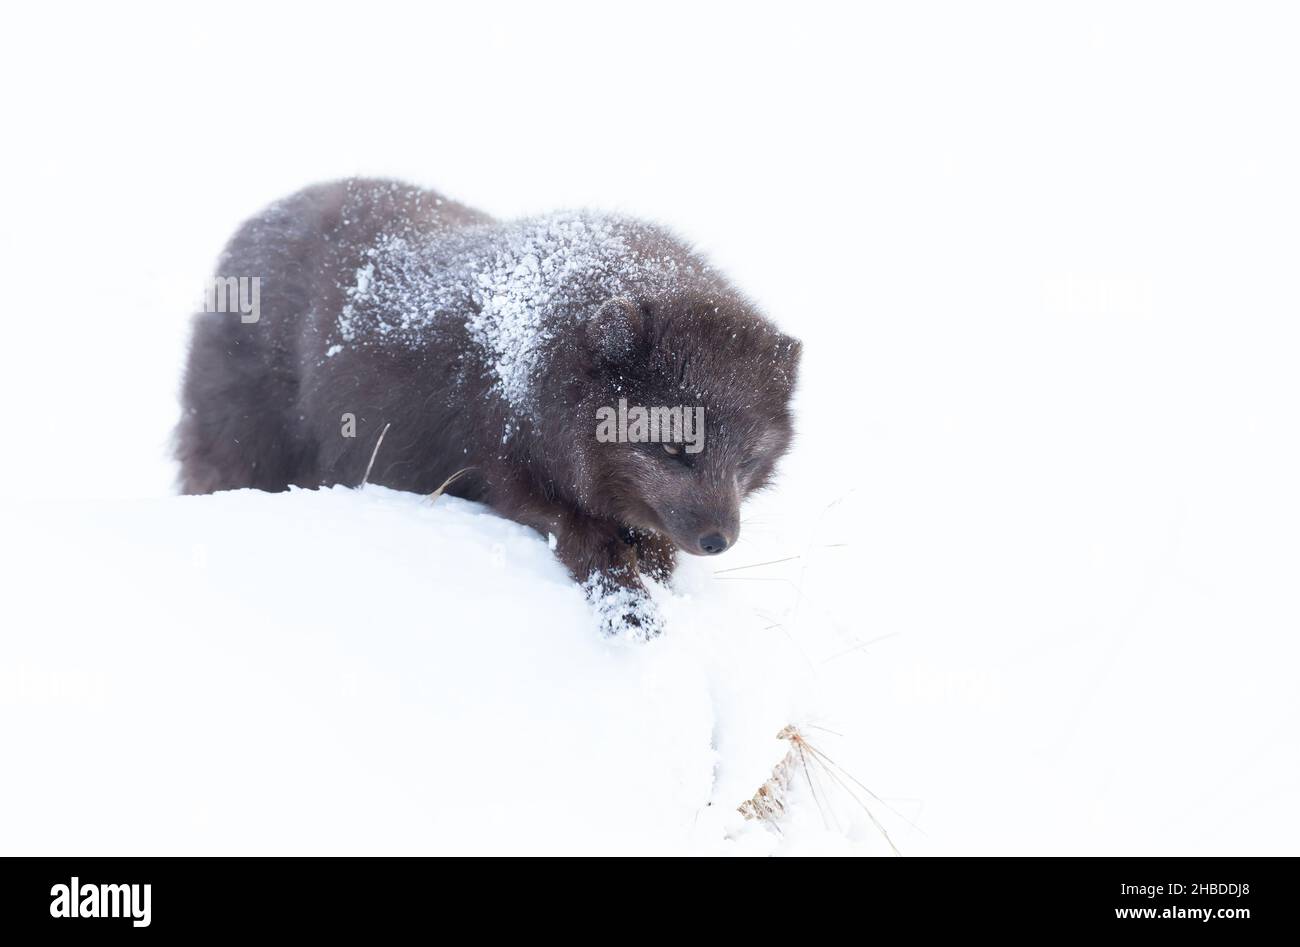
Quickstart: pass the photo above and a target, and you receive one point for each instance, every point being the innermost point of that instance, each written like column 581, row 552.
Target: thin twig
column 861, row 645
column 770, row 562
column 818, row 754
column 448, row 482
column 373, row 454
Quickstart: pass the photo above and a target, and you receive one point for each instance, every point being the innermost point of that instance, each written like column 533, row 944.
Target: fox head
column 697, row 392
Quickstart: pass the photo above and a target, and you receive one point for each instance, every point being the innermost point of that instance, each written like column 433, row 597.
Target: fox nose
column 713, row 543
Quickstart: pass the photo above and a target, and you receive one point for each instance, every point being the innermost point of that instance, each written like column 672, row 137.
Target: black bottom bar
column 230, row 896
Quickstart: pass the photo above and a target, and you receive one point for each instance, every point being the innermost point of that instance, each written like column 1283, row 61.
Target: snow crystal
column 364, row 275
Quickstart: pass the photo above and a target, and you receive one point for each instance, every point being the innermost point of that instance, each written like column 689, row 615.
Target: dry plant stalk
column 375, row 453
column 768, row 803
column 433, row 497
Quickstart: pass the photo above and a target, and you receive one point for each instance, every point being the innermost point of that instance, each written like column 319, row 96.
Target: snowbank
column 365, row 671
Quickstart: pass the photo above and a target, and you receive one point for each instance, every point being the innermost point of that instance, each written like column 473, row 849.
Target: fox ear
column 788, row 352
column 615, row 329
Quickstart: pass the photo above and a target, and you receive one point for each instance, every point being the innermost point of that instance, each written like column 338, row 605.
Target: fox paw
column 623, row 611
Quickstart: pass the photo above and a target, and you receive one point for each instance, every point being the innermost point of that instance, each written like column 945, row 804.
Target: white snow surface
column 368, row 671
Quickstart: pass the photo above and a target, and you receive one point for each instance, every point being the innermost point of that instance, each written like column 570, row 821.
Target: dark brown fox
column 491, row 348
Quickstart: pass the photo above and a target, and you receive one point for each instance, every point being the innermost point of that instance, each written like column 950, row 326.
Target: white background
column 1042, row 257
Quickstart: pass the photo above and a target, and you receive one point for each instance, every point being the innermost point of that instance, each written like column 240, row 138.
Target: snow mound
column 342, row 671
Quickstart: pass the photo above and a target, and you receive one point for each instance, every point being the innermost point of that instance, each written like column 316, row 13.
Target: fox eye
column 672, row 449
